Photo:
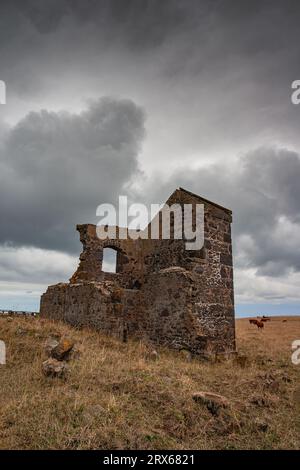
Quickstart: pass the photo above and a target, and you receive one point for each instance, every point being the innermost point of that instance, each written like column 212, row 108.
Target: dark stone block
column 223, row 272
column 165, row 312
column 226, row 259
column 207, row 244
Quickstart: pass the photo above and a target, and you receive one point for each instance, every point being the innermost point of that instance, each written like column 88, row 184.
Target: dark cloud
column 55, row 168
column 45, row 16
column 263, row 190
column 215, row 78
column 141, row 23
column 199, row 39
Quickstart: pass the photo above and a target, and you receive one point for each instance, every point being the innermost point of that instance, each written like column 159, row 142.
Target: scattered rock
column 186, row 355
column 9, row 319
column 53, row 368
column 74, row 353
column 261, row 425
column 62, row 350
column 59, row 350
column 153, row 355
column 50, row 344
column 213, row 402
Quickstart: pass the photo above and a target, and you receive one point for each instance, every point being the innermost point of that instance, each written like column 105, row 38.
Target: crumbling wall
column 161, row 292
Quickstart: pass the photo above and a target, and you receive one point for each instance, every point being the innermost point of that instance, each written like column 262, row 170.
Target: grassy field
column 116, row 397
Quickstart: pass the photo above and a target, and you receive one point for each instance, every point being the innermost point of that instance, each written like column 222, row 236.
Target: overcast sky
column 139, row 97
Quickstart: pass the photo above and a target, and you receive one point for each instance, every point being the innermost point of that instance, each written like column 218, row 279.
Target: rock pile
column 58, row 352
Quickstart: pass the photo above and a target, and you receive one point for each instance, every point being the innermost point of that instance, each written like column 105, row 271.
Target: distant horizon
column 241, row 311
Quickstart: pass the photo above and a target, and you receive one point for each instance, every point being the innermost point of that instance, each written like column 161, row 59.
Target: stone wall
column 161, row 292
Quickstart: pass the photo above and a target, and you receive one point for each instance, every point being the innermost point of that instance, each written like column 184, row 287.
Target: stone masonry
column 160, row 292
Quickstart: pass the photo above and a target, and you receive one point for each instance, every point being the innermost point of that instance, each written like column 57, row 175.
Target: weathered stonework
column 161, row 292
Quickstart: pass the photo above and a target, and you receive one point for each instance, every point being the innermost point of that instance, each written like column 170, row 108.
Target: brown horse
column 258, row 322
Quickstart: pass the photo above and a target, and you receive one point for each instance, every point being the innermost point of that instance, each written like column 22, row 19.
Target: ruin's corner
column 161, row 292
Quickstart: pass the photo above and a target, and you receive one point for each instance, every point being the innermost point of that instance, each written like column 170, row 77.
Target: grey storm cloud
column 187, row 38
column 263, row 190
column 55, row 168
column 214, row 77
column 142, row 23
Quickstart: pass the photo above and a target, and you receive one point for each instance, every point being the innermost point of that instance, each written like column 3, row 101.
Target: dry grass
column 116, row 398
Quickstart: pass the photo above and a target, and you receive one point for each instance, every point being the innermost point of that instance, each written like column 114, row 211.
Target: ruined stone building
column 161, row 292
